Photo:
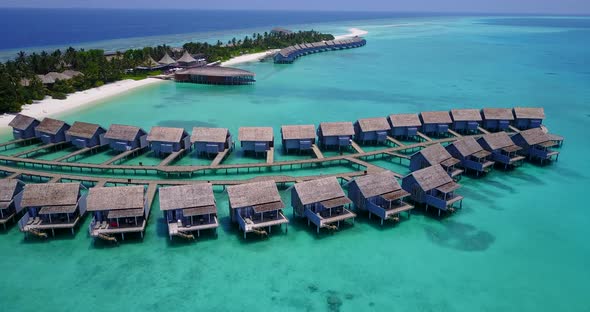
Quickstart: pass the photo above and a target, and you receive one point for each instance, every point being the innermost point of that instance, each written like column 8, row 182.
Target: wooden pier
column 454, row 133
column 219, row 158
column 5, row 145
column 423, row 136
column 121, row 156
column 394, row 141
column 482, row 130
column 39, row 148
column 316, row 151
column 514, row 129
column 270, row 155
column 172, row 157
column 356, row 147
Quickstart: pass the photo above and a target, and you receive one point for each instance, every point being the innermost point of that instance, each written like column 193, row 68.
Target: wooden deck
column 455, row 133
column 514, row 129
column 175, row 230
column 482, row 130
column 121, row 156
column 74, row 154
column 39, row 148
column 394, row 141
column 270, row 155
column 424, row 136
column 172, row 157
column 5, row 145
column 219, row 158
column 356, row 147
column 398, row 155
column 316, row 151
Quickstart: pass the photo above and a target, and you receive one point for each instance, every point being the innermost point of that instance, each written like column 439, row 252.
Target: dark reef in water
column 460, row 236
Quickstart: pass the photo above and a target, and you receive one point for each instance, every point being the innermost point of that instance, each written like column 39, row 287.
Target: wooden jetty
column 394, row 141
column 39, row 148
column 316, row 151
column 514, row 129
column 5, row 145
column 122, row 156
column 79, row 152
column 219, row 158
column 172, row 157
column 423, row 136
column 482, row 130
column 291, row 53
column 356, row 147
column 451, row 131
column 270, row 155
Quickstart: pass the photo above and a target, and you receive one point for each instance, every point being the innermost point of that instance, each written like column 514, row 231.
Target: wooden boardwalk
column 482, row 130
column 369, row 167
column 394, row 154
column 172, row 157
column 394, row 141
column 356, row 147
column 270, row 155
column 5, row 145
column 39, row 148
column 455, row 133
column 121, row 156
column 219, row 158
column 424, row 136
column 316, row 151
column 513, row 129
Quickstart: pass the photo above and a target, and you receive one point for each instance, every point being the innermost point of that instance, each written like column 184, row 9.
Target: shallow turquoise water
column 519, row 244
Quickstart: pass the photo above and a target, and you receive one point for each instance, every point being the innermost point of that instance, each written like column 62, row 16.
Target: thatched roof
column 50, row 194
column 439, row 117
column 83, row 129
column 298, row 132
column 8, row 189
column 466, row 115
column 405, row 120
column 435, row 154
column 529, row 112
column 21, row 122
column 337, row 128
column 186, row 196
column 467, row 146
column 498, row 140
column 216, row 71
column 186, row 58
column 167, row 60
column 319, row 190
column 534, row 136
column 123, row 132
column 258, row 134
column 50, row 125
column 263, row 196
column 497, row 114
column 115, row 198
column 210, row 135
column 72, row 73
column 431, row 177
column 166, row 134
column 374, row 124
column 377, row 184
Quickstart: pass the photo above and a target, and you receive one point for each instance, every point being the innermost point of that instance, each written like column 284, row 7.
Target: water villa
column 380, row 194
column 404, row 125
column 497, row 119
column 372, row 130
column 466, row 120
column 10, row 199
column 536, row 144
column 188, row 209
column 164, row 140
column 23, row 127
column 126, row 138
column 117, row 210
column 256, row 206
column 472, row 155
column 51, row 206
column 289, row 54
column 335, row 134
column 256, row 139
column 211, row 141
column 52, row 130
column 528, row 117
column 299, row 137
column 85, row 135
column 215, row 75
column 435, row 123
column 503, row 149
column 433, row 187
column 433, row 155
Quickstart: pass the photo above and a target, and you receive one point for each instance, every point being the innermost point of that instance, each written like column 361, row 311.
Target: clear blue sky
column 484, row 6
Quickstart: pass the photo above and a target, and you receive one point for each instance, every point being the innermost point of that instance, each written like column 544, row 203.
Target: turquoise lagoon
column 519, row 244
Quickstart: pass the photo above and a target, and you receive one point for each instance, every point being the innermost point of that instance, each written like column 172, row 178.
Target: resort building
column 472, row 155
column 164, row 140
column 335, row 134
column 188, row 209
column 211, row 141
column 465, row 120
column 503, row 149
column 125, row 138
column 435, row 123
column 433, row 155
column 167, row 60
column 52, row 130
column 404, row 125
column 374, row 130
column 216, row 75
column 322, row 202
column 186, row 60
column 497, row 119
column 433, row 187
column 256, row 139
column 11, row 193
column 117, row 210
column 536, row 144
column 51, row 206
column 23, row 127
column 528, row 117
column 83, row 135
column 299, row 137
column 380, row 194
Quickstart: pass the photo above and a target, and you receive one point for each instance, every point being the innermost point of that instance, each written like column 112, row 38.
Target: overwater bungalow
column 435, row 123
column 188, row 209
column 497, row 119
column 465, row 120
column 291, row 53
column 117, row 210
column 52, row 130
column 433, row 155
column 380, row 194
column 256, row 207
column 11, row 193
column 335, row 134
column 211, row 141
column 186, row 60
column 256, row 139
column 23, row 126
column 374, row 130
column 404, row 125
column 503, row 149
column 164, row 140
column 216, row 75
column 433, row 187
column 82, row 134
column 51, row 206
column 322, row 202
column 536, row 144
column 528, row 117
column 125, row 138
column 472, row 155
column 298, row 137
